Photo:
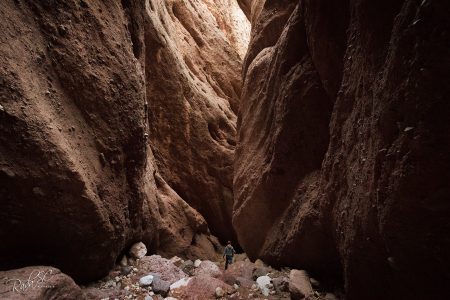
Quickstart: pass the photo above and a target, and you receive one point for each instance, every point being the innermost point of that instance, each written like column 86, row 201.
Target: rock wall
column 342, row 162
column 96, row 102
column 193, row 84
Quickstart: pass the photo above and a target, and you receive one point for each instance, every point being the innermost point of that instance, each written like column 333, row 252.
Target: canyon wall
column 105, row 125
column 193, row 86
column 342, row 161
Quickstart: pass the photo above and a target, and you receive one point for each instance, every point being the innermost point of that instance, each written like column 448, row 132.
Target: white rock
column 180, row 283
column 235, row 286
column 138, row 250
column 197, row 263
column 263, row 283
column 170, row 298
column 146, row 280
column 219, row 292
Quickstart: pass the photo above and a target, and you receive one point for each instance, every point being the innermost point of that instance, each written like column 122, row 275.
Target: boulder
column 157, row 265
column 299, row 285
column 281, row 284
column 180, row 283
column 199, row 287
column 37, row 283
column 146, row 280
column 207, row 267
column 263, row 283
column 160, row 286
column 138, row 250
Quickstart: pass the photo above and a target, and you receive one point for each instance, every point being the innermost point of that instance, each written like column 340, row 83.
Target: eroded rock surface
column 192, row 67
column 73, row 156
column 342, row 158
column 117, row 120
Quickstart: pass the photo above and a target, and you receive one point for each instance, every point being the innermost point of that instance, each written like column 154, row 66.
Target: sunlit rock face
column 193, row 64
column 116, row 117
column 342, row 158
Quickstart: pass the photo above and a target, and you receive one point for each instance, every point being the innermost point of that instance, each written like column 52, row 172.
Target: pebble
column 146, row 280
column 124, row 261
column 197, row 263
column 219, row 292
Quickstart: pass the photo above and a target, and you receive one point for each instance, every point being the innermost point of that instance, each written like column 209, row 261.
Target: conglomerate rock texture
column 89, row 90
column 342, row 161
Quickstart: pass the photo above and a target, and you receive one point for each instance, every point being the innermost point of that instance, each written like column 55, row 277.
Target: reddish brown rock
column 183, row 231
column 193, row 84
column 73, row 154
column 89, row 92
column 200, row 287
column 37, row 283
column 343, row 153
column 165, row 269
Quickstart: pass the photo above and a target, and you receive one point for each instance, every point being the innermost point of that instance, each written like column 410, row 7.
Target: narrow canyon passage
column 137, row 137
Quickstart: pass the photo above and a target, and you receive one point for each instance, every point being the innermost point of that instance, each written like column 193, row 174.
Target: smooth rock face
column 37, row 283
column 343, row 153
column 193, row 86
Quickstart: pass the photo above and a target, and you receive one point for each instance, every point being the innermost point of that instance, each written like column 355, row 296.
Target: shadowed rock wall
column 343, row 144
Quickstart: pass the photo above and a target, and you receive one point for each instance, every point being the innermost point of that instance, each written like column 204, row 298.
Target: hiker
column 228, row 253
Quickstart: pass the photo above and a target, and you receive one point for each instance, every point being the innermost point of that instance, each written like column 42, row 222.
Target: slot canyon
column 139, row 137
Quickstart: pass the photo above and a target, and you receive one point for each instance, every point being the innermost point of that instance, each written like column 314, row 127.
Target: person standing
column 228, row 254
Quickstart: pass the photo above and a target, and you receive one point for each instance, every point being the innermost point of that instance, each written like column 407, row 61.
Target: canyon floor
column 141, row 277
